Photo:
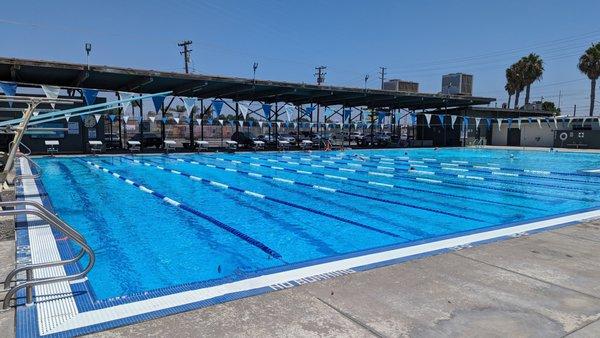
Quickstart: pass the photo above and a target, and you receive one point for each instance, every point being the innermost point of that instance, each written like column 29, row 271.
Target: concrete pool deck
column 546, row 284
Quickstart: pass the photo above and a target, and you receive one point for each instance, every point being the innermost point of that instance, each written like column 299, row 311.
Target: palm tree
column 533, row 68
column 517, row 79
column 589, row 64
column 510, row 85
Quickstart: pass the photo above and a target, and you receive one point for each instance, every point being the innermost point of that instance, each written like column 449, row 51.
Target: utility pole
column 186, row 53
column 382, row 75
column 254, row 67
column 320, row 74
column 366, row 79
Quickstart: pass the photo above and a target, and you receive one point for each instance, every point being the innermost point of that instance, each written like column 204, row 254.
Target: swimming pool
column 157, row 222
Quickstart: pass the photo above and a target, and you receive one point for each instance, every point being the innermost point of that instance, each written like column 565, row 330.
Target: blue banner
column 441, row 117
column 466, row 121
column 158, row 102
column 509, row 122
column 164, row 120
column 488, row 122
column 308, row 111
column 267, row 111
column 89, row 95
column 347, row 114
column 9, row 89
column 217, row 105
column 381, row 116
column 413, row 119
column 112, row 117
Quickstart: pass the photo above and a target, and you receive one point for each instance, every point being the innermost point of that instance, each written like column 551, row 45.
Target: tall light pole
column 88, row 49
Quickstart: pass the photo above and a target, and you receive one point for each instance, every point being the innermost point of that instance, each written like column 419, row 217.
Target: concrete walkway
column 544, row 285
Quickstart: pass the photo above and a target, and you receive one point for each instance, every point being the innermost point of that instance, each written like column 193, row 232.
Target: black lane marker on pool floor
column 327, row 189
column 187, row 208
column 272, row 199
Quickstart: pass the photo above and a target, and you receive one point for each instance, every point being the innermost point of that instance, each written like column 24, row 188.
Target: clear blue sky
column 416, row 40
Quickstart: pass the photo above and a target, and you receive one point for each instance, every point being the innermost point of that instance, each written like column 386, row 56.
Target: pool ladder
column 36, row 209
column 38, row 169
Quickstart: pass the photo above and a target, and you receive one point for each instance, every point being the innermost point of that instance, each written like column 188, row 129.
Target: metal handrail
column 12, row 143
column 38, row 170
column 53, row 220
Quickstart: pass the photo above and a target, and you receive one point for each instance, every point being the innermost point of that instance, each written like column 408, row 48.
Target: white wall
column 499, row 137
column 534, row 136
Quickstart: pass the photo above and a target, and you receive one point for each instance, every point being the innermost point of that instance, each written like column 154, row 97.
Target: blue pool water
column 241, row 213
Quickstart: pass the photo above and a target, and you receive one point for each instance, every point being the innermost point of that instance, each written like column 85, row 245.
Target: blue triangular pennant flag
column 441, row 117
column 209, row 121
column 380, row 117
column 347, row 113
column 217, row 107
column 9, row 89
column 158, row 102
column 267, row 110
column 529, row 120
column 488, row 122
column 164, row 119
column 250, row 123
column 89, row 95
column 509, row 122
column 309, row 111
column 112, row 117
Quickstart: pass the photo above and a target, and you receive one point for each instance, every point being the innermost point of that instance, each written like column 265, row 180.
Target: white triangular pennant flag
column 243, row 110
column 260, row 123
column 428, row 118
column 176, row 119
column 583, row 122
column 125, row 96
column 499, row 124
column 539, row 122
column 278, row 124
column 519, row 123
column 199, row 121
column 570, row 120
column 67, row 117
column 221, row 122
column 295, row 125
column 241, row 123
column 152, row 118
column 477, row 120
column 51, row 92
column 188, row 103
column 97, row 116
column 125, row 118
column 453, row 118
column 289, row 111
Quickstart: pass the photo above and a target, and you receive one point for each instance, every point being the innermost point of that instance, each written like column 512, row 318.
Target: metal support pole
column 276, row 124
column 237, row 116
column 192, row 128
column 141, row 125
column 202, row 120
column 29, row 289
column 298, row 125
column 18, row 137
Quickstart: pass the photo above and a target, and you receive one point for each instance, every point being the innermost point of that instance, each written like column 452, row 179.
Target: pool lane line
column 513, row 192
column 343, row 192
column 537, row 173
column 189, row 209
column 495, row 170
column 269, row 198
column 426, row 173
column 352, row 179
column 466, row 175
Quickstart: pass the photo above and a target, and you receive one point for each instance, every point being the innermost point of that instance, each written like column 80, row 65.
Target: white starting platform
column 259, row 145
column 202, row 145
column 231, row 145
column 306, row 145
column 169, row 145
column 51, row 146
column 95, row 146
column 134, row 146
